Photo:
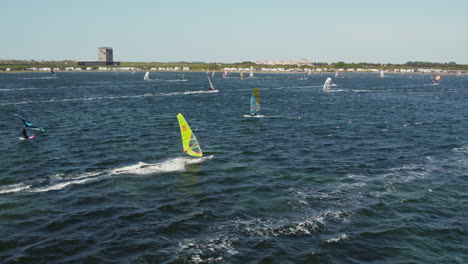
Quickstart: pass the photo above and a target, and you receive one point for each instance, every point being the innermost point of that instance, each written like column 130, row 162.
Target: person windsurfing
column 25, row 135
column 28, row 125
column 436, row 79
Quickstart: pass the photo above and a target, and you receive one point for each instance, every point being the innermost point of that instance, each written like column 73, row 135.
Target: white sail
column 146, row 78
column 213, row 73
column 212, row 88
column 327, row 84
column 251, row 72
column 382, row 74
column 337, row 73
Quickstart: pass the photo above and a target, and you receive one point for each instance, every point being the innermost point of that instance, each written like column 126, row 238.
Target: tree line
column 18, row 65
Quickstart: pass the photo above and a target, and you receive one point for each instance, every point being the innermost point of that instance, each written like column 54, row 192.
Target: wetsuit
column 24, row 133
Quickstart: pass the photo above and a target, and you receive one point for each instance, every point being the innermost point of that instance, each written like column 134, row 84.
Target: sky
column 372, row 31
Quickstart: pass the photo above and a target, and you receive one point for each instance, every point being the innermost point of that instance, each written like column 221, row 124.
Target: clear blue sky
column 394, row 31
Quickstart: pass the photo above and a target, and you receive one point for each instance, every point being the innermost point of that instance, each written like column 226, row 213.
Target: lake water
column 374, row 171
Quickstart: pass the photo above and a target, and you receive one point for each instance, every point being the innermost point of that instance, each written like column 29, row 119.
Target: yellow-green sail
column 189, row 141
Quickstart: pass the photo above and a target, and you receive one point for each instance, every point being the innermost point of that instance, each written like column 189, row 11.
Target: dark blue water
column 374, row 171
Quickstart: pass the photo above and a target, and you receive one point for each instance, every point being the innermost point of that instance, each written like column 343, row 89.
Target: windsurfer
column 24, row 133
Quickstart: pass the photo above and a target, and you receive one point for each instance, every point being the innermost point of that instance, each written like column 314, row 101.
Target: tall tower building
column 105, row 57
column 105, row 54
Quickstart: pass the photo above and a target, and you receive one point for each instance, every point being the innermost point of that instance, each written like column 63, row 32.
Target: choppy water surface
column 374, row 171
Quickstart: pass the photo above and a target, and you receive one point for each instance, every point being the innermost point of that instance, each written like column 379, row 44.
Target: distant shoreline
column 257, row 72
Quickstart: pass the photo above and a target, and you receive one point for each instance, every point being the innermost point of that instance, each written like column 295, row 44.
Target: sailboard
column 241, row 75
column 251, row 72
column 327, row 84
column 212, row 74
column 337, row 73
column 146, row 78
column 189, row 141
column 254, row 102
column 212, row 88
column 30, row 125
column 225, row 74
column 382, row 74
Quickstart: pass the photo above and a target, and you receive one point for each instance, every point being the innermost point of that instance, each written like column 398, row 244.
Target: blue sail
column 254, row 102
column 29, row 125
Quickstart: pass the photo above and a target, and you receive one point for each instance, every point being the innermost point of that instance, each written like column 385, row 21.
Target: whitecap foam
column 255, row 116
column 172, row 165
column 337, row 239
column 63, row 184
column 18, row 89
column 189, row 92
column 463, row 149
column 276, row 228
column 203, row 250
column 12, row 188
column 60, row 180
